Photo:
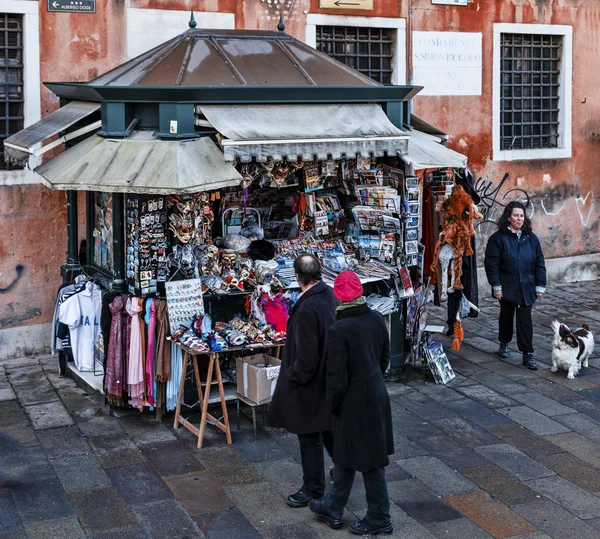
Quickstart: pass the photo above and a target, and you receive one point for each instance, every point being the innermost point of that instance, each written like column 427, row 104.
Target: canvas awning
column 425, row 151
column 20, row 146
column 140, row 164
column 292, row 131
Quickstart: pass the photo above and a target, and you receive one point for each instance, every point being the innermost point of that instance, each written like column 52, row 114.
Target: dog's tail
column 586, row 327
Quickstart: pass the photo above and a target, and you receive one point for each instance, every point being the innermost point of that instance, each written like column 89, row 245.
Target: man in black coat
column 358, row 353
column 299, row 401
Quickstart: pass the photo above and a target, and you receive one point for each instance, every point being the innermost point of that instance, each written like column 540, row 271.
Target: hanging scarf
column 151, row 322
column 126, row 339
column 354, row 303
column 174, row 381
column 135, row 373
column 114, row 363
column 163, row 347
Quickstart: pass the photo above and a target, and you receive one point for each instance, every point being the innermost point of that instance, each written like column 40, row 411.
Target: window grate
column 530, row 98
column 368, row 50
column 11, row 80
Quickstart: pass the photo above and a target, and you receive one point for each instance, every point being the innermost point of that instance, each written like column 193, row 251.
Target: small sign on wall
column 448, row 63
column 364, row 5
column 450, row 2
column 72, row 6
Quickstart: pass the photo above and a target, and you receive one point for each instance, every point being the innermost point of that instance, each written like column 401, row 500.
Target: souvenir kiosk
column 209, row 163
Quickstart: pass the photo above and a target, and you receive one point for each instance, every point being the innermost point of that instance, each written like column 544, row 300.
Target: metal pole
column 118, row 284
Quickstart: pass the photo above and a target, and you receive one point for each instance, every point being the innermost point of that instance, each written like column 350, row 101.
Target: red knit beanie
column 347, row 286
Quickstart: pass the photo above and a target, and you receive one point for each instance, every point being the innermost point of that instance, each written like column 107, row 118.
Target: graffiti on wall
column 19, row 270
column 578, row 213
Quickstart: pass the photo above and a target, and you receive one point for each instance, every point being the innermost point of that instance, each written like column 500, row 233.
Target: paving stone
column 486, row 396
column 557, row 522
column 534, row 421
column 404, row 448
column 419, row 502
column 582, row 424
column 63, row 528
column 138, row 483
column 11, row 415
column 514, row 461
column 79, row 403
column 466, row 368
column 9, row 516
column 485, row 345
column 123, row 533
column 451, row 453
column 116, row 450
column 560, row 378
column 579, row 446
column 171, row 458
column 42, row 500
column 226, row 525
column 423, row 406
column 166, row 519
column 81, row 472
column 199, row 493
column 263, row 506
column 438, row 392
column 543, row 404
column 510, row 371
column 58, row 381
column 7, row 394
column 524, row 440
column 100, row 510
column 146, row 430
column 32, row 386
column 288, row 442
column 490, row 515
column 436, row 475
column 100, row 425
column 561, row 491
column 499, row 383
column 501, row 485
column 474, row 355
column 575, row 470
column 458, row 529
column 478, row 413
column 63, row 442
column 410, row 425
column 14, row 534
column 228, row 467
column 465, row 432
column 285, row 476
column 302, row 530
column 49, row 415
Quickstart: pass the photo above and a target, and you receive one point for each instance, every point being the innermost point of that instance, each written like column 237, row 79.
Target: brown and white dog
column 571, row 349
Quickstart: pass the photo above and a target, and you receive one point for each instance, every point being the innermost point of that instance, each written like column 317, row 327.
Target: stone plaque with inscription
column 364, row 5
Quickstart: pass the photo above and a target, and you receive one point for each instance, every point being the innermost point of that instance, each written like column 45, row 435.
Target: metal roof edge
column 234, row 94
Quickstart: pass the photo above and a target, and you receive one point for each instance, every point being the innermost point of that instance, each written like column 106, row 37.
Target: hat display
column 347, row 286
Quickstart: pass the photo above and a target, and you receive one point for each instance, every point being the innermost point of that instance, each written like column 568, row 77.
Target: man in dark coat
column 299, row 401
column 358, row 353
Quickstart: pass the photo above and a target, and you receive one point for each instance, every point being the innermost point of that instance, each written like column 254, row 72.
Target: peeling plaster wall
column 564, row 193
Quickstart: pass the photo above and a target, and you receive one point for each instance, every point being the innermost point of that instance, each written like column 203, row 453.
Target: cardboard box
column 257, row 383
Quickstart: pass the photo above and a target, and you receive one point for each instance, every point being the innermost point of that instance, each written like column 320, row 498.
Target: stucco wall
column 564, row 192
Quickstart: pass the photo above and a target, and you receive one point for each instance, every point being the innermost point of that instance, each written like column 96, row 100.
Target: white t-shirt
column 81, row 313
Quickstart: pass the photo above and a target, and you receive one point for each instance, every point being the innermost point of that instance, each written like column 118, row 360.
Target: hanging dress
column 151, row 323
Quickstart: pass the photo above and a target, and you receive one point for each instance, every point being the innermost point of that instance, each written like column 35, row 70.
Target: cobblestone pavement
column 499, row 452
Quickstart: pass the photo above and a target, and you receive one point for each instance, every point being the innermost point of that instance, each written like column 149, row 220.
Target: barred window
column 368, row 50
column 11, row 79
column 530, row 84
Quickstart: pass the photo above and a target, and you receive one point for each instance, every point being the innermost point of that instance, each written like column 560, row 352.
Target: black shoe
column 360, row 527
column 503, row 350
column 316, row 507
column 529, row 362
column 300, row 499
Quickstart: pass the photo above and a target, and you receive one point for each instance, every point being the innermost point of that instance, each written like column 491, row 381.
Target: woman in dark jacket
column 358, row 353
column 515, row 268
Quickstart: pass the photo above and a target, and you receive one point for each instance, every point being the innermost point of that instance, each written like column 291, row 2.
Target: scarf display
column 149, row 371
column 135, row 373
column 113, row 383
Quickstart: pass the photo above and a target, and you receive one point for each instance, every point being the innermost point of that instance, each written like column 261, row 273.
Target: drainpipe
column 72, row 268
column 409, row 52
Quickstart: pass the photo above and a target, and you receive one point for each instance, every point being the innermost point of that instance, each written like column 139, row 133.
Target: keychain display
column 147, row 244
column 184, row 301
